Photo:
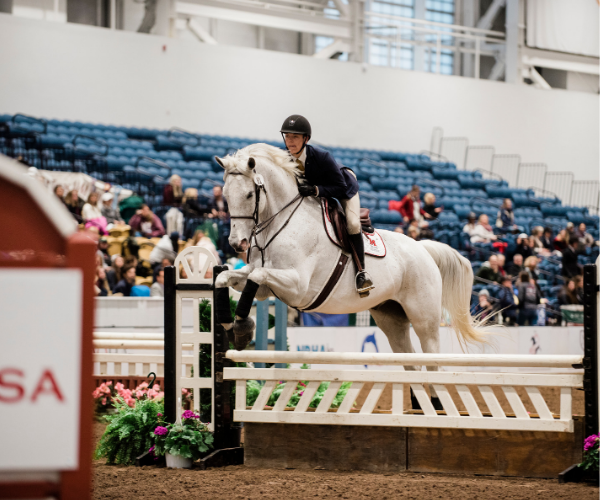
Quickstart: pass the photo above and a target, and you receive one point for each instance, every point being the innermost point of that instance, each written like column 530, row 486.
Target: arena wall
column 95, row 74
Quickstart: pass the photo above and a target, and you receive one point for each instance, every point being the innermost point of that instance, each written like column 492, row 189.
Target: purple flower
column 159, row 414
column 189, row 414
column 161, row 431
column 589, row 442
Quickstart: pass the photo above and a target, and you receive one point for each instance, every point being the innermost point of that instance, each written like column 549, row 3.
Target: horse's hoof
column 231, row 336
column 243, row 330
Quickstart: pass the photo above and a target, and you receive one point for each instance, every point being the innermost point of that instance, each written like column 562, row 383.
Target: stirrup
column 367, row 284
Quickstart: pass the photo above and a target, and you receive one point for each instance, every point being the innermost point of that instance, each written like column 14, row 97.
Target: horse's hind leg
column 392, row 319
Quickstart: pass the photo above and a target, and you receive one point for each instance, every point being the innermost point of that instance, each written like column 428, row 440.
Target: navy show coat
column 332, row 180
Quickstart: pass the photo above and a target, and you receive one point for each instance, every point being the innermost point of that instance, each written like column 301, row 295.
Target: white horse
column 414, row 281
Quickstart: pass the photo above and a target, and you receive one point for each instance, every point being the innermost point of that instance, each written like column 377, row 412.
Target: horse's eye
column 249, row 195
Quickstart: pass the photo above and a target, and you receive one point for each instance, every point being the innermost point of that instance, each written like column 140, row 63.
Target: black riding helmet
column 296, row 124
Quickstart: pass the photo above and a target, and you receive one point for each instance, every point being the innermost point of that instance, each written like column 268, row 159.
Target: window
column 385, row 44
column 323, row 41
column 440, row 11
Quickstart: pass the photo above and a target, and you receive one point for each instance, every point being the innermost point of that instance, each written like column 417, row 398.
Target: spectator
column 399, row 229
column 60, row 192
column 164, row 249
column 92, row 215
column 413, row 232
column 483, row 232
column 568, row 294
column 548, row 239
column 103, row 251
column 74, row 204
column 501, row 261
column 585, row 238
column 112, row 214
column 410, row 206
column 172, row 192
column 470, row 225
column 115, row 273
column 578, row 280
column 506, row 217
column 190, row 206
column 124, row 286
column 90, row 210
column 158, row 287
column 561, row 241
column 523, row 246
column 166, row 262
column 508, row 302
column 101, row 286
column 431, row 212
column 147, row 223
column 529, row 298
column 483, row 309
column 489, row 270
column 218, row 205
column 201, row 240
column 570, row 266
column 516, row 266
column 530, row 264
column 571, row 233
column 536, row 243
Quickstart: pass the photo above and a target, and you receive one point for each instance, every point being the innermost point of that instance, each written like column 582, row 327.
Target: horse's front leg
column 236, row 279
column 284, row 283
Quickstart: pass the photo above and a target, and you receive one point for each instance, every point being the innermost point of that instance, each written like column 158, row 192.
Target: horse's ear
column 220, row 161
column 251, row 163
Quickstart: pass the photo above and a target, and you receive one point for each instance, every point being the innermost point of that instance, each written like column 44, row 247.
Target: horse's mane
column 261, row 151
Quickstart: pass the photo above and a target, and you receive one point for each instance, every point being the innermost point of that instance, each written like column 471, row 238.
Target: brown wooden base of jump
column 399, row 449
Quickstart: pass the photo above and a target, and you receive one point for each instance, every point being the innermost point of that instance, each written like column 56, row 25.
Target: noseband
column 259, row 227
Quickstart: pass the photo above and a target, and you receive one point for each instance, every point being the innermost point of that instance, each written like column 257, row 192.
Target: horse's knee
column 222, row 280
column 259, row 276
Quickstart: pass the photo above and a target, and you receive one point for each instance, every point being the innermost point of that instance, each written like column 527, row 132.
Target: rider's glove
column 308, row 190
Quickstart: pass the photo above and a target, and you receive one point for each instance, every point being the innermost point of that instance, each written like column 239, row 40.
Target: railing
column 531, row 174
column 479, row 157
column 585, row 194
column 507, row 166
column 560, row 183
column 475, row 415
column 436, row 38
column 455, row 150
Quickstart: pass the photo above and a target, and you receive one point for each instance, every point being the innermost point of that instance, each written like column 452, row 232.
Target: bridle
column 259, row 227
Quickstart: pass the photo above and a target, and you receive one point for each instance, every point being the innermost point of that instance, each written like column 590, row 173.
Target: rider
column 324, row 177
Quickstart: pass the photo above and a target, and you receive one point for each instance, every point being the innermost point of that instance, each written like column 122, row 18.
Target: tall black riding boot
column 364, row 283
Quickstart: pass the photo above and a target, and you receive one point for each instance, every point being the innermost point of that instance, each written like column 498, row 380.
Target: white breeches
column 352, row 209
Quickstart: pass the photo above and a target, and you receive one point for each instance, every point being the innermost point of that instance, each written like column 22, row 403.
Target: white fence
column 475, row 417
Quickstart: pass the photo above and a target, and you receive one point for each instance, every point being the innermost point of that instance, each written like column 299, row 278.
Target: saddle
column 338, row 220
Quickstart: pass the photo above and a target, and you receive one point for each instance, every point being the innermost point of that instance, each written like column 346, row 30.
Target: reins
column 259, row 227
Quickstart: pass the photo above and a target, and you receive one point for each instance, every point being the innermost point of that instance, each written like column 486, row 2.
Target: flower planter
column 178, row 462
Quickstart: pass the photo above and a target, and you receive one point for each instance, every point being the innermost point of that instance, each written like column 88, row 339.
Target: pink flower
column 103, row 401
column 159, row 414
column 300, row 393
column 156, row 387
column 143, row 385
column 139, row 394
column 161, row 431
column 189, row 414
column 96, row 393
column 151, row 393
column 119, row 386
column 589, row 442
column 130, row 402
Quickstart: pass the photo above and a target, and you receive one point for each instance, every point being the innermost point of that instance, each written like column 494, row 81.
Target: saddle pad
column 373, row 242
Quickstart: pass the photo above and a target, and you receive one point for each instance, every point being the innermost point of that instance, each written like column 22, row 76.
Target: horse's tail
column 457, row 282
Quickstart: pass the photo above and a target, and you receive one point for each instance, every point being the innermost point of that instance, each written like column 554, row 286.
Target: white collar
column 302, row 156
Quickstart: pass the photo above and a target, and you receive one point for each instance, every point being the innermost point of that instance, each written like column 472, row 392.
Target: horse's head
column 240, row 193
column 245, row 171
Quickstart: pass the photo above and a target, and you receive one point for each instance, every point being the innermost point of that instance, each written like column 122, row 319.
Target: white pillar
column 513, row 66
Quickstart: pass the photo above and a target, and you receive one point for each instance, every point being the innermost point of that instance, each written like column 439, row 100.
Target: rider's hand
column 308, row 190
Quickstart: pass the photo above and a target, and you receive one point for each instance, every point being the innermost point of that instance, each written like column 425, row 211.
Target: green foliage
column 128, row 434
column 190, row 439
column 253, row 389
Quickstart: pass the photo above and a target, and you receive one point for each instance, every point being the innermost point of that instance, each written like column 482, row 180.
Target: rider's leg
column 364, row 282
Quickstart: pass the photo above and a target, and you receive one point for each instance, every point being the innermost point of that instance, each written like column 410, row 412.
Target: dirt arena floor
column 240, row 482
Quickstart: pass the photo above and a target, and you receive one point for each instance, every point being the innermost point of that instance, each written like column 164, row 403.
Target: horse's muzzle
column 240, row 246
